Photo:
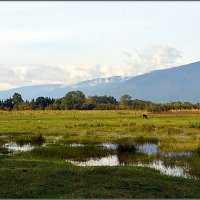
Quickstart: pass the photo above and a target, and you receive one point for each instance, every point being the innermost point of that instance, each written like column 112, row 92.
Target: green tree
column 73, row 100
column 17, row 98
column 33, row 104
column 88, row 103
column 40, row 103
column 23, row 106
column 1, row 104
column 57, row 104
column 8, row 104
column 125, row 101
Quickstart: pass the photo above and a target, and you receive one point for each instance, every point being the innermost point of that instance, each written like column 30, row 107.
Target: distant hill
column 174, row 84
column 89, row 87
column 29, row 92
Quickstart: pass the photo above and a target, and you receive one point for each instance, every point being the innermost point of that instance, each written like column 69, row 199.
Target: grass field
column 30, row 175
column 176, row 132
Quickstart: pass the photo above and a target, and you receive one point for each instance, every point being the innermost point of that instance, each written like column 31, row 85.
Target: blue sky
column 67, row 42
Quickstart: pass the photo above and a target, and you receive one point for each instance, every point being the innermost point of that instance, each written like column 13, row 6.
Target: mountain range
column 180, row 83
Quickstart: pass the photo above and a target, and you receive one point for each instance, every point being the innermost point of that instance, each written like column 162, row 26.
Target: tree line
column 76, row 100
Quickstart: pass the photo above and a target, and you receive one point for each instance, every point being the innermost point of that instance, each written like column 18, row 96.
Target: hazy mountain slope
column 101, row 86
column 174, row 84
column 89, row 87
column 30, row 92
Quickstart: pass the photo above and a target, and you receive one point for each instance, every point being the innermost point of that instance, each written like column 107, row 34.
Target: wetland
column 152, row 158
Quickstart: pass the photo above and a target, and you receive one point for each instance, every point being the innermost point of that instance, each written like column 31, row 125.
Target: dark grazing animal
column 144, row 116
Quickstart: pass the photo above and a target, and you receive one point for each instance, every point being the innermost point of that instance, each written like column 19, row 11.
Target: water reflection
column 148, row 148
column 4, row 136
column 116, row 154
column 114, row 161
column 168, row 170
column 146, row 155
column 14, row 147
column 76, row 145
column 109, row 145
column 104, row 161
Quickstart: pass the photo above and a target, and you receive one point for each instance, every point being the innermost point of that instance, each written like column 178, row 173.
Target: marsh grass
column 143, row 139
column 173, row 130
column 33, row 140
column 148, row 127
column 103, row 125
column 130, row 158
column 81, row 153
column 126, row 145
column 179, row 144
column 42, row 179
column 194, row 125
column 4, row 150
column 195, row 166
column 198, row 150
column 44, row 173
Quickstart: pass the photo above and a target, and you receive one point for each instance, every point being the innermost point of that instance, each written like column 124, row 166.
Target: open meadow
column 99, row 154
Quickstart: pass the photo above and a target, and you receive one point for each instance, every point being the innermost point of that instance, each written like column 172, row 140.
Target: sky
column 68, row 42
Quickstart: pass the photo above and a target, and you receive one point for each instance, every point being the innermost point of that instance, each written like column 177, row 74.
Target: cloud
column 126, row 53
column 10, row 37
column 17, row 76
column 154, row 57
column 6, row 86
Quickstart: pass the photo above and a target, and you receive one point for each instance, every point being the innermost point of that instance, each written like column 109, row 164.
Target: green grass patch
column 80, row 153
column 129, row 148
column 33, row 140
column 97, row 126
column 44, row 173
column 4, row 150
column 53, row 179
column 143, row 139
column 198, row 150
column 194, row 125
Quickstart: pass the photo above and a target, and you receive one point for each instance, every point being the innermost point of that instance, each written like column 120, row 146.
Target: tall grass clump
column 198, row 150
column 38, row 139
column 148, row 127
column 34, row 140
column 4, row 150
column 68, row 152
column 194, row 125
column 173, row 130
column 142, row 139
column 126, row 146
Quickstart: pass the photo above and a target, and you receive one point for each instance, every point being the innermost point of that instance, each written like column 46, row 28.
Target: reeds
column 4, row 150
column 143, row 139
column 194, row 125
column 34, row 140
column 100, row 126
column 198, row 150
column 67, row 152
column 126, row 145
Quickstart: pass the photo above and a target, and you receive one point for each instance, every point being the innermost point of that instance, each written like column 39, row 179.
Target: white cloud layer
column 156, row 56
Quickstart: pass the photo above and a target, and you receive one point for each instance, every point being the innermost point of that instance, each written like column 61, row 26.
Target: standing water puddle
column 76, row 145
column 109, row 145
column 104, row 161
column 146, row 155
column 113, row 161
column 14, row 147
column 138, row 154
column 168, row 170
column 148, row 148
